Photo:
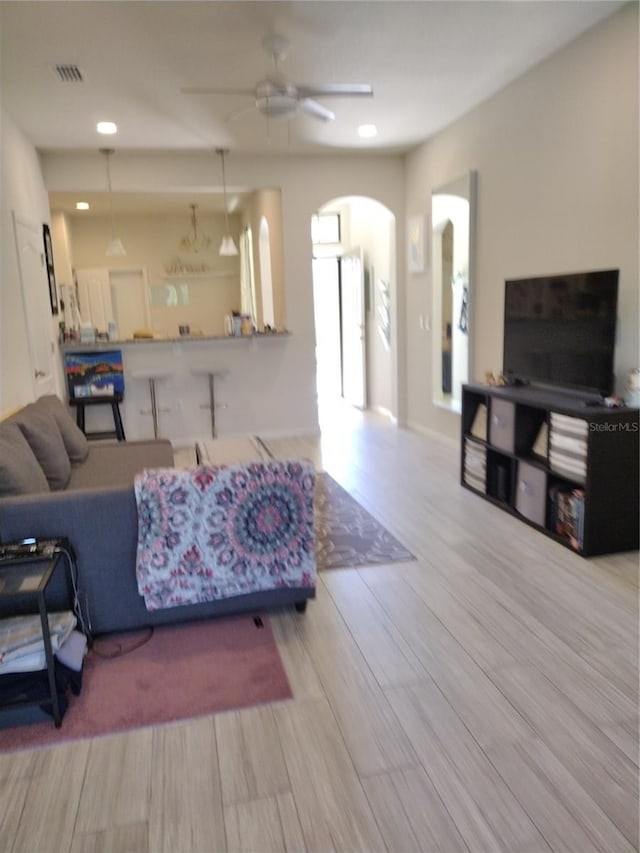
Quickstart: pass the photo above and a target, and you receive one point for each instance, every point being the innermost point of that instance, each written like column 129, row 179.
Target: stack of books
column 568, row 446
column 567, row 514
column 475, row 466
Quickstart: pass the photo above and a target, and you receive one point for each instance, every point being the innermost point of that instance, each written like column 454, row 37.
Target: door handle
column 40, row 374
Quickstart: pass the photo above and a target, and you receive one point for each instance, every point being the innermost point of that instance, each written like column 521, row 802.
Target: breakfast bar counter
column 169, row 385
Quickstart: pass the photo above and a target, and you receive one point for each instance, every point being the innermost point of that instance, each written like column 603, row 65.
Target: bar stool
column 211, row 405
column 152, row 377
column 113, row 401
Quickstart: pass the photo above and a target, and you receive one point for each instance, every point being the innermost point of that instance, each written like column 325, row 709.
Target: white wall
column 153, row 242
column 371, row 228
column 286, row 398
column 22, row 191
column 557, row 160
column 267, row 204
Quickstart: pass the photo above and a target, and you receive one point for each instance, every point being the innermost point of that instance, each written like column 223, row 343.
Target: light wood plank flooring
column 481, row 698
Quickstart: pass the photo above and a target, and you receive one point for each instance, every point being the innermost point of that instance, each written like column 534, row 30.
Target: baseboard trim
column 432, row 433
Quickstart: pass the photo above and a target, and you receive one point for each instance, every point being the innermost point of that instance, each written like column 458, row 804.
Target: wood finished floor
column 481, row 698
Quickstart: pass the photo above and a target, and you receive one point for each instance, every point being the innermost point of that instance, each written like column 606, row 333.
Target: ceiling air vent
column 68, row 73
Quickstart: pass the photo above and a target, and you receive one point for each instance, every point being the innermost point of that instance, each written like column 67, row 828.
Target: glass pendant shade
column 115, row 247
column 228, row 247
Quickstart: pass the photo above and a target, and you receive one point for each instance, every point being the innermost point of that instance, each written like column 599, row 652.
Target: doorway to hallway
column 353, row 278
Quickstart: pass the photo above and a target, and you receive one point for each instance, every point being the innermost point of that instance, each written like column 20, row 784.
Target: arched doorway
column 354, row 263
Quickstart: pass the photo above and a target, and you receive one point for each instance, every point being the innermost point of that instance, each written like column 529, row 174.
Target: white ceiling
column 147, row 204
column 428, row 62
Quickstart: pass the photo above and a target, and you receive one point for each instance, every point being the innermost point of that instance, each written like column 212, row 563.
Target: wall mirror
column 180, row 281
column 452, row 218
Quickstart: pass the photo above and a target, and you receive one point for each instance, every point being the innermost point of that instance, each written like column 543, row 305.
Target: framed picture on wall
column 51, row 276
column 415, row 244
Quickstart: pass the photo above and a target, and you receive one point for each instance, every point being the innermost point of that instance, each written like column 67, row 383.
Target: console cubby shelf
column 560, row 463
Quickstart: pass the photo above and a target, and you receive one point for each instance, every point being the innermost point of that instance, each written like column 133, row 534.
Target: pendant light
column 115, row 247
column 195, row 241
column 227, row 248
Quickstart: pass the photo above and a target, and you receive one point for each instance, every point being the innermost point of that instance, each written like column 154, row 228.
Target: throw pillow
column 74, row 439
column 44, row 438
column 20, row 471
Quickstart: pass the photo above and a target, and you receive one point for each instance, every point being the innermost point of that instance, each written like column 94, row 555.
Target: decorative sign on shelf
column 180, row 267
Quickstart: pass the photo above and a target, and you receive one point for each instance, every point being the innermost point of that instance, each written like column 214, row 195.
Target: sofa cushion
column 44, row 438
column 74, row 439
column 20, row 471
column 116, row 463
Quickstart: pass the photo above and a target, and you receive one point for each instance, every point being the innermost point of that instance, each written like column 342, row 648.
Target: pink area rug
column 182, row 671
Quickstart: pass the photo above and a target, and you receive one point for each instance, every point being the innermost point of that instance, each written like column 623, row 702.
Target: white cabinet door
column 94, row 297
column 35, row 288
column 354, row 378
column 130, row 300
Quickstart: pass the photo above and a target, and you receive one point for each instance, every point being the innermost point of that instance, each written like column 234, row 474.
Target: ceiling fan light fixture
column 115, row 247
column 278, row 106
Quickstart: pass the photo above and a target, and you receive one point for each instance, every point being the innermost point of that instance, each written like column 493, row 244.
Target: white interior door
column 34, row 284
column 354, row 379
column 94, row 297
column 326, row 310
column 130, row 301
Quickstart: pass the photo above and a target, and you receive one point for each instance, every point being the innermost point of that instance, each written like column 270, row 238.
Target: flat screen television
column 559, row 330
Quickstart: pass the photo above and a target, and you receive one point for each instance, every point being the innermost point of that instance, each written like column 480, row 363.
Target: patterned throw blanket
column 213, row 532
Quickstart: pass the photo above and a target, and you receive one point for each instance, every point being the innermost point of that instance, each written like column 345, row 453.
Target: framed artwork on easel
column 51, row 276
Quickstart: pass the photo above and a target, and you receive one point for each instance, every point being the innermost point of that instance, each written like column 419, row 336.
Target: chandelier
column 195, row 241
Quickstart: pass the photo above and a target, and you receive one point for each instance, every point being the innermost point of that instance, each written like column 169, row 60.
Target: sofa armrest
column 100, row 524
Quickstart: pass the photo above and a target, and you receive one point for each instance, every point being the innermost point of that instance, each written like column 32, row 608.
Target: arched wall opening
column 354, row 281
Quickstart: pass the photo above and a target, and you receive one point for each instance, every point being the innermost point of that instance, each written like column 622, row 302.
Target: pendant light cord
column 221, row 152
column 107, row 153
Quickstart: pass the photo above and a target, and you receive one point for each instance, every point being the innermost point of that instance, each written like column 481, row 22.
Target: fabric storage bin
column 502, row 425
column 531, row 493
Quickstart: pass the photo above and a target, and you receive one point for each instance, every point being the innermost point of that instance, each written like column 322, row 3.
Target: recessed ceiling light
column 82, row 205
column 367, row 131
column 107, row 127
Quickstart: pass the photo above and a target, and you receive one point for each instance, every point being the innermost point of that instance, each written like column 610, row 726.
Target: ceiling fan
column 279, row 98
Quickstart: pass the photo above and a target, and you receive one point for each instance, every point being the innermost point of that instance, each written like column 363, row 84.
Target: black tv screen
column 560, row 330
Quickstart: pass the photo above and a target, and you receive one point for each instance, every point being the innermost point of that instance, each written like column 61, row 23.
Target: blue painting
column 94, row 374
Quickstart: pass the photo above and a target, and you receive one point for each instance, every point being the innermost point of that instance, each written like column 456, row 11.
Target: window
column 247, row 275
column 169, row 295
column 325, row 228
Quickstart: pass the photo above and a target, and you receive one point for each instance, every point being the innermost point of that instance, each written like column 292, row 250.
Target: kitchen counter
column 90, row 346
column 175, row 377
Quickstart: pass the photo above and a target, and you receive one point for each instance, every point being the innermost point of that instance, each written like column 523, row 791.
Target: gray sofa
column 53, row 483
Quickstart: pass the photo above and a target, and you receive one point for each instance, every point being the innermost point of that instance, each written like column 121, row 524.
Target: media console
column 566, row 466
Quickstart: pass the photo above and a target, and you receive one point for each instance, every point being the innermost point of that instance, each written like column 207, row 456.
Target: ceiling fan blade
column 313, row 108
column 346, row 89
column 211, row 90
column 240, row 112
